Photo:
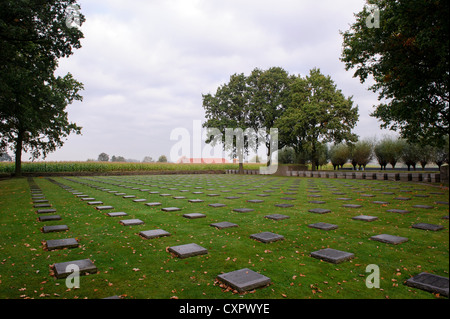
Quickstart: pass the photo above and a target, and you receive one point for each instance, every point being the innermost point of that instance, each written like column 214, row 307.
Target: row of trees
column 103, row 157
column 388, row 151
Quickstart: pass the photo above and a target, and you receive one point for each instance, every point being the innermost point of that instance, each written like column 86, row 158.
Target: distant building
column 185, row 160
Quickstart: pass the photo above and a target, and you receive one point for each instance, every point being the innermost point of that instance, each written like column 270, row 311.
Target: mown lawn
column 134, row 267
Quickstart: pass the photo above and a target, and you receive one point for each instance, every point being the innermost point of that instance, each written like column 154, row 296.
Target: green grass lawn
column 138, row 268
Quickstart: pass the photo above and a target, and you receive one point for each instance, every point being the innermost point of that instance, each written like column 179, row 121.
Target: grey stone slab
column 46, row 211
column 319, row 211
column 85, row 266
column 288, row 198
column 244, row 279
column 170, row 209
column 398, row 211
column 232, row 197
column 54, row 229
column 40, row 201
column 129, row 196
column 188, row 250
column 389, row 239
column 332, row 255
column 165, row 195
column 49, row 218
column 267, row 237
column 117, row 214
column 352, row 206
column 95, row 203
column 277, row 217
column 42, row 205
column 344, row 198
column 317, row 202
column 441, row 203
column 194, row 215
column 430, row 282
column 263, row 195
column 131, row 222
column 215, row 205
column 139, row 200
column 61, row 243
column 323, row 226
column 315, row 196
column 154, row 233
column 255, row 201
column 380, row 202
column 212, row 195
column 243, row 210
column 365, row 218
column 195, row 201
column 402, row 198
column 104, row 207
column 426, row 226
column 153, row 204
column 120, row 194
column 423, row 206
column 223, row 225
column 284, row 205
column 88, row 199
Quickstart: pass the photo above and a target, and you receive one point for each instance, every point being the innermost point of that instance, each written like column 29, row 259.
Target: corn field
column 68, row 167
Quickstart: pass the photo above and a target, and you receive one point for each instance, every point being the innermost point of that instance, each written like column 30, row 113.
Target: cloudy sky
column 146, row 63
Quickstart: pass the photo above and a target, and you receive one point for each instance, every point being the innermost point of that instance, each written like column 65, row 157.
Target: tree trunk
column 18, row 154
column 241, row 168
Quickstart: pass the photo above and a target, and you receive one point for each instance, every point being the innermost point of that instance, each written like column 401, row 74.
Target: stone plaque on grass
column 255, row 201
column 139, row 200
column 232, row 197
column 189, row 250
column 46, row 211
column 42, row 205
column 423, row 206
column 267, row 237
column 56, row 228
column 40, row 201
column 319, row 211
column 277, row 217
column 430, row 282
column 104, row 207
column 380, row 202
column 131, row 222
column 352, row 206
column 153, row 204
column 323, row 226
column 196, row 201
column 243, row 210
column 61, row 243
column 95, row 203
column 154, row 233
column 402, row 198
column 194, row 215
column 317, row 202
column 365, row 218
column 284, row 205
column 49, row 218
column 215, row 205
column 170, row 209
column 117, row 214
column 426, row 226
column 244, row 279
column 85, row 266
column 398, row 211
column 389, row 239
column 223, row 225
column 332, row 255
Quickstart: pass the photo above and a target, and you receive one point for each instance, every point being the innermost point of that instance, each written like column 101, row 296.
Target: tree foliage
column 408, row 57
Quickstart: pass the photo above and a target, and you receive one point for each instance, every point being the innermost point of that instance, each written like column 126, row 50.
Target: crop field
column 131, row 266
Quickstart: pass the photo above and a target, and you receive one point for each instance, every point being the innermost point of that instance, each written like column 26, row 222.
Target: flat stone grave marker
column 262, row 195
column 82, row 196
column 194, row 215
column 426, row 226
column 344, row 198
column 95, row 203
column 387, row 193
column 323, row 226
column 243, row 210
column 332, row 255
column 215, row 205
column 129, row 196
column 104, row 207
column 389, row 239
column 430, row 282
column 365, row 218
column 42, row 205
column 436, row 193
column 117, row 214
column 367, row 195
column 88, row 199
column 56, row 228
column 46, row 211
column 85, row 266
column 380, row 202
column 61, row 243
column 153, row 192
column 317, row 202
column 170, row 209
column 244, row 279
column 284, row 205
column 319, row 211
column 423, row 206
column 267, row 237
column 197, row 193
column 196, row 201
column 314, row 196
column 139, row 200
column 223, row 225
column 338, row 193
column 154, row 233
column 402, row 198
column 352, row 206
column 40, row 201
column 49, row 218
column 165, row 195
column 290, row 193
column 441, row 203
column 188, row 250
column 421, row 195
column 131, row 222
column 277, row 217
column 288, row 198
column 232, row 197
column 153, row 204
column 398, row 211
column 255, row 201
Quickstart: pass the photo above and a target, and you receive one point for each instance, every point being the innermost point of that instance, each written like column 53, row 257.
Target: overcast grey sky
column 146, row 63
